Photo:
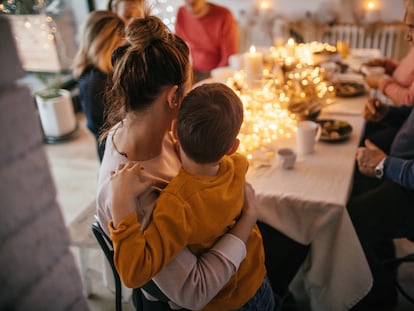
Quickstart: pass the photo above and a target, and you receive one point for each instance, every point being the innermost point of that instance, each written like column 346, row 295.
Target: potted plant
column 55, row 108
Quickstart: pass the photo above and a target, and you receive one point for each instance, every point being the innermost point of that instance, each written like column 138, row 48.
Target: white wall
column 391, row 10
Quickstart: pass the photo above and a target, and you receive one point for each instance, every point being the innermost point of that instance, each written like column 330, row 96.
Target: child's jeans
column 263, row 300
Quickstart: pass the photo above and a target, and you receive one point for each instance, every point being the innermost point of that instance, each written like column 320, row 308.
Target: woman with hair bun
column 152, row 74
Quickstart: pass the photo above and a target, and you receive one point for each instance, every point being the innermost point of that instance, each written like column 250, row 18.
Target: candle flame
column 371, row 5
column 264, row 5
column 252, row 49
column 291, row 41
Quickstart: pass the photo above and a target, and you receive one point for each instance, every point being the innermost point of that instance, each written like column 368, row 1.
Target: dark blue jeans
column 263, row 300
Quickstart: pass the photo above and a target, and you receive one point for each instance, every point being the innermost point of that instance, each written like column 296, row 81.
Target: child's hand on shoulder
column 126, row 185
column 126, row 180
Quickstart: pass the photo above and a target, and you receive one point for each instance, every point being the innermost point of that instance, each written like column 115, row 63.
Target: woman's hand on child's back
column 248, row 218
column 250, row 202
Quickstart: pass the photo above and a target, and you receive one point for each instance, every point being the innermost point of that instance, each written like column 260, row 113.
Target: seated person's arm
column 387, row 63
column 400, row 171
column 229, row 42
column 401, row 95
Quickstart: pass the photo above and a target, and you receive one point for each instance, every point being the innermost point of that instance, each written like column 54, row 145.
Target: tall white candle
column 372, row 13
column 253, row 65
column 291, row 48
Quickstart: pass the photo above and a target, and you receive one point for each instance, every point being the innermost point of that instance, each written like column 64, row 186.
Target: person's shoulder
column 93, row 73
column 181, row 9
column 238, row 159
column 86, row 73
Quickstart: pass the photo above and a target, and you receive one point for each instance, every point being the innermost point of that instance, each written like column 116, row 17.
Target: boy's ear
column 234, row 147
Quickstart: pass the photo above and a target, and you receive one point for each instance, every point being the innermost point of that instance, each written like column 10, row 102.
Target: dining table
column 308, row 204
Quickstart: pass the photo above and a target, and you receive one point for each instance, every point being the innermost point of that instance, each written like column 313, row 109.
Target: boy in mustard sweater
column 199, row 205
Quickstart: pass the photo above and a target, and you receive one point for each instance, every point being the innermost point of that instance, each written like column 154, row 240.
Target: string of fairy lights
column 166, row 10
column 269, row 117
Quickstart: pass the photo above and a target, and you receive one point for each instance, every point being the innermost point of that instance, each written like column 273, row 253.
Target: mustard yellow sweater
column 192, row 211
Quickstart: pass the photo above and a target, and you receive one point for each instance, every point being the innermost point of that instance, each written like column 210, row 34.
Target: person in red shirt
column 210, row 31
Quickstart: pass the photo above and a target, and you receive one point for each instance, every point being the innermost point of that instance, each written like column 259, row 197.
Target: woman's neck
column 140, row 138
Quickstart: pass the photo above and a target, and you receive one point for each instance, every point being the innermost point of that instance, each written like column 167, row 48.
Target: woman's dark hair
column 152, row 59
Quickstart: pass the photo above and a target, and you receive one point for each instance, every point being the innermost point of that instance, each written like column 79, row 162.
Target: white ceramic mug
column 308, row 133
column 286, row 157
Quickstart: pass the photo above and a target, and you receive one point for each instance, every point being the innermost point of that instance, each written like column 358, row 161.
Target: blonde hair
column 409, row 4
column 103, row 32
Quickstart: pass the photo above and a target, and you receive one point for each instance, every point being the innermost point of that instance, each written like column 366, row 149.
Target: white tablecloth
column 308, row 202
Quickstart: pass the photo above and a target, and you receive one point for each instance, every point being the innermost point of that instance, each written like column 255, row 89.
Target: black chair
column 106, row 245
column 394, row 264
column 137, row 297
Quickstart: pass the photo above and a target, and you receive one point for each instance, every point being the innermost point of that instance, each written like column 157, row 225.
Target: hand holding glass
column 373, row 75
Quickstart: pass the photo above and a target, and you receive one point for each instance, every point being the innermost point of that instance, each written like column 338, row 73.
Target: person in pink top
column 398, row 81
column 210, row 31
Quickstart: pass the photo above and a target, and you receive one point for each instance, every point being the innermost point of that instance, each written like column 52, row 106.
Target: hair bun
column 141, row 32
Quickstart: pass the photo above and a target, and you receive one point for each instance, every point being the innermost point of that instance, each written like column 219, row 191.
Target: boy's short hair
column 209, row 121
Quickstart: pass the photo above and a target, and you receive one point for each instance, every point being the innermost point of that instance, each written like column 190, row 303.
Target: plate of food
column 334, row 130
column 349, row 89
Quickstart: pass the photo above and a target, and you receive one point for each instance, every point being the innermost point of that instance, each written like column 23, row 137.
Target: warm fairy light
column 265, row 5
column 371, row 5
column 267, row 120
column 39, row 43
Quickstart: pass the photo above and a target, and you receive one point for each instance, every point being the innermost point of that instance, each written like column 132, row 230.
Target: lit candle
column 291, row 48
column 253, row 65
column 372, row 14
column 265, row 5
